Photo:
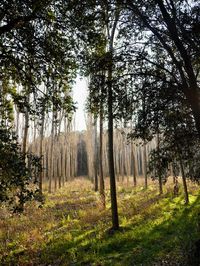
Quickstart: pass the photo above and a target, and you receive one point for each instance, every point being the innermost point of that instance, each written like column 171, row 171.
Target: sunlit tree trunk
column 134, row 165
column 145, row 165
column 122, row 161
column 90, row 148
column 41, row 151
column 17, row 120
column 160, row 176
column 51, row 161
column 184, row 181
column 26, row 127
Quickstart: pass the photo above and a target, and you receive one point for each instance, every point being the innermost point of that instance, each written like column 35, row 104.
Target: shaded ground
column 72, row 229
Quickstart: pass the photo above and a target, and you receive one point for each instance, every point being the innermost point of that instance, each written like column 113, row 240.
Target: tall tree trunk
column 56, row 151
column 17, row 120
column 111, row 28
column 115, row 221
column 193, row 97
column 134, row 166
column 65, row 153
column 95, row 159
column 184, row 181
column 26, row 126
column 51, row 163
column 34, row 128
column 145, row 165
column 160, row 176
column 122, row 161
column 41, row 152
column 101, row 177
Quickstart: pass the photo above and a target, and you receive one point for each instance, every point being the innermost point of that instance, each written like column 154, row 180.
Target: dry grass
column 26, row 239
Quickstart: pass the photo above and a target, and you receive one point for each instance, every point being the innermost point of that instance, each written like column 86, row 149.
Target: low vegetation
column 73, row 229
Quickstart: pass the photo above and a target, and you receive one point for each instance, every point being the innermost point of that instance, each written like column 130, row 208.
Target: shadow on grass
column 160, row 235
column 144, row 242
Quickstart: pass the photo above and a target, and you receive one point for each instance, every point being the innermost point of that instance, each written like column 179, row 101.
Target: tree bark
column 145, row 165
column 101, row 177
column 134, row 165
column 51, row 163
column 193, row 97
column 26, row 127
column 184, row 182
column 95, row 159
column 159, row 177
column 111, row 25
column 115, row 221
column 41, row 152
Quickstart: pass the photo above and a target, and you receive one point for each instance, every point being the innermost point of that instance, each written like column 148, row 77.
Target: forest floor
column 72, row 229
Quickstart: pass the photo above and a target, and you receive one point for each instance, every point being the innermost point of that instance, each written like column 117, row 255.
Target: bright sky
column 79, row 96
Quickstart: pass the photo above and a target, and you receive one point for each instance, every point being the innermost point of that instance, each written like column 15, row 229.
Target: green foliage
column 158, row 164
column 15, row 177
column 37, row 48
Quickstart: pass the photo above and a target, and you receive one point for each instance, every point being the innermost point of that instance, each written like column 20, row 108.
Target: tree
column 109, row 22
column 35, row 47
column 15, row 175
column 173, row 27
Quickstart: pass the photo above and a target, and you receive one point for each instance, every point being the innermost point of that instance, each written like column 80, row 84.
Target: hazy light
column 79, row 95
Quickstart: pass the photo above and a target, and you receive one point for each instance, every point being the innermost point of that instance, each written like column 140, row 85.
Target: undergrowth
column 72, row 229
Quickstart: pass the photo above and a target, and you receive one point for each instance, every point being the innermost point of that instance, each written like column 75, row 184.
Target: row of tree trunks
column 60, row 153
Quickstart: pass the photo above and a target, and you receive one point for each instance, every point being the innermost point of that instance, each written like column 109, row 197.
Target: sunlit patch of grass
column 72, row 229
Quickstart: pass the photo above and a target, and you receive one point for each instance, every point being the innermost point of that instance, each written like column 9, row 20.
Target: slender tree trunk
column 95, row 159
column 145, row 165
column 128, row 165
column 184, row 182
column 51, row 166
column 63, row 163
column 111, row 163
column 26, row 126
column 41, row 152
column 115, row 221
column 55, row 170
column 60, row 169
column 66, row 151
column 34, row 130
column 56, row 151
column 111, row 29
column 122, row 163
column 134, row 167
column 101, row 177
column 17, row 121
column 159, row 177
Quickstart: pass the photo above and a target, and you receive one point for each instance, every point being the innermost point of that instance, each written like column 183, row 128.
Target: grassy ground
column 72, row 229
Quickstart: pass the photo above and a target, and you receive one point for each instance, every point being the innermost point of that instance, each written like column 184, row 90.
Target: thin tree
column 101, row 175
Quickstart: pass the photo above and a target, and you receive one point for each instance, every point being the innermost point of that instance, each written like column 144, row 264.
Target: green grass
column 72, row 229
